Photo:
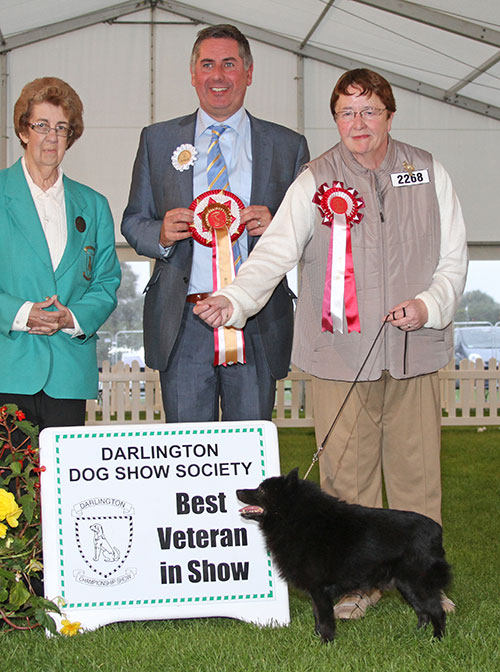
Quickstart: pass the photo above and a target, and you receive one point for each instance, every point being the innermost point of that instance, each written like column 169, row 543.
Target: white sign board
column 141, row 522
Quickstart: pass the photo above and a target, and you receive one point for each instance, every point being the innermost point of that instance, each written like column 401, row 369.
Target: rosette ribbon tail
column 332, row 318
column 339, row 208
column 217, row 224
column 340, row 284
column 229, row 341
column 351, row 299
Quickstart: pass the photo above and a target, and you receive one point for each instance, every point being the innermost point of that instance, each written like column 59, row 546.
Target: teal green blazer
column 86, row 281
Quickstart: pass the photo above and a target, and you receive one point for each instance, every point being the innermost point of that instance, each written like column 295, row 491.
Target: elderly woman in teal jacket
column 59, row 271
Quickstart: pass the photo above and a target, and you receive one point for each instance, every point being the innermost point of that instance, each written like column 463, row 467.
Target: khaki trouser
column 388, row 426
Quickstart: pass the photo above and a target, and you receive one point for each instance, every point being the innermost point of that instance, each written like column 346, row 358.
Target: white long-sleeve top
column 51, row 209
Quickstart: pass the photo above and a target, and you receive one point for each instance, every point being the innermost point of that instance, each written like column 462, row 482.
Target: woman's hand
column 409, row 315
column 47, row 322
column 214, row 310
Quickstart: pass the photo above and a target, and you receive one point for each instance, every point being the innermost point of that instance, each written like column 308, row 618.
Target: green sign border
column 163, row 601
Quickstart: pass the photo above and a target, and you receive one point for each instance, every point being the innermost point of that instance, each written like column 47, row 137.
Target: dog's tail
column 112, row 557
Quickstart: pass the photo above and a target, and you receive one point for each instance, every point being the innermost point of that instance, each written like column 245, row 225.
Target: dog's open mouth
column 248, row 511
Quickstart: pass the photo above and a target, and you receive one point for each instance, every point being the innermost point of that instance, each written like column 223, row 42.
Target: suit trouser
column 388, row 426
column 192, row 387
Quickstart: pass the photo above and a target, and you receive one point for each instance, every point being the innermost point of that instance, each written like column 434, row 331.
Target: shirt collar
column 236, row 121
column 56, row 190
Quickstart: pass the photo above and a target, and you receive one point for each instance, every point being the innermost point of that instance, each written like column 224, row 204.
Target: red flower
column 20, row 415
column 37, row 470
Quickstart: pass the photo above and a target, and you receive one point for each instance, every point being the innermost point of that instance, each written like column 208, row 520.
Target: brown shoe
column 354, row 605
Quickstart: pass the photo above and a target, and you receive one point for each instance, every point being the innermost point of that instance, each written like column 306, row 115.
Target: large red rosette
column 339, row 207
column 217, row 224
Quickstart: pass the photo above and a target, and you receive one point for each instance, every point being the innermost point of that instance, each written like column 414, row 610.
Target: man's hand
column 256, row 219
column 409, row 315
column 214, row 310
column 175, row 226
column 47, row 322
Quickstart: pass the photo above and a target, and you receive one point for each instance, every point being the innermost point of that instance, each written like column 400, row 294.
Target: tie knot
column 218, row 130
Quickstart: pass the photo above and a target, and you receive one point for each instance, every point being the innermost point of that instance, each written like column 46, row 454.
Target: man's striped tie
column 218, row 177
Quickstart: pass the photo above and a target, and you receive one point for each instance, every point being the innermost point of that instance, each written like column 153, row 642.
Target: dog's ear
column 293, row 477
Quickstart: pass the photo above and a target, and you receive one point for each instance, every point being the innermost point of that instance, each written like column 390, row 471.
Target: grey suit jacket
column 277, row 155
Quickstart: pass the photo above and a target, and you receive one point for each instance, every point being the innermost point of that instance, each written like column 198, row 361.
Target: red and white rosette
column 217, row 224
column 339, row 207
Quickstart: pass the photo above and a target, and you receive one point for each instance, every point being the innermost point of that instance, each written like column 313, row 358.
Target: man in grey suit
column 262, row 159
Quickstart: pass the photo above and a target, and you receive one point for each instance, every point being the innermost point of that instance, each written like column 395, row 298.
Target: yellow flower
column 3, row 530
column 9, row 510
column 70, row 629
column 7, row 501
column 12, row 517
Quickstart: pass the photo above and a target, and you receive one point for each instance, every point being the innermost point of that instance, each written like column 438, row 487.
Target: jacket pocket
column 155, row 276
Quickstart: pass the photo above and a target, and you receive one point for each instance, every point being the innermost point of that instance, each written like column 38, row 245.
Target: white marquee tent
column 129, row 63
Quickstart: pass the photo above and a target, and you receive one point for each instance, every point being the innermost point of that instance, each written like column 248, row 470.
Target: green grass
column 387, row 640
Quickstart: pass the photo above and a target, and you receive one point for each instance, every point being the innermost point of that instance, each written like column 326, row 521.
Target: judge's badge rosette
column 214, row 210
column 217, row 224
column 339, row 208
column 184, row 156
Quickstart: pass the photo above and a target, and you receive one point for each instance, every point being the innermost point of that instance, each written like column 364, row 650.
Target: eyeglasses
column 43, row 128
column 366, row 114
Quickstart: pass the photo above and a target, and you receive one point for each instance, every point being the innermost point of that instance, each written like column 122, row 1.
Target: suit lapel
column 76, row 207
column 262, row 150
column 185, row 177
column 23, row 213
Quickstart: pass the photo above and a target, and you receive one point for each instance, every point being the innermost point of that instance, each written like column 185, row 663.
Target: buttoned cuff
column 20, row 322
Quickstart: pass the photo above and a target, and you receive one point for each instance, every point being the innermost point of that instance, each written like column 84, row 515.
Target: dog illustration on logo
column 102, row 545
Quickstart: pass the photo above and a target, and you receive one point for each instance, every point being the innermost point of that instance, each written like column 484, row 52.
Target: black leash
column 327, row 436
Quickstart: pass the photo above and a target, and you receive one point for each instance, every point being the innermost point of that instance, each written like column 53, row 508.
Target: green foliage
column 478, row 307
column 20, row 529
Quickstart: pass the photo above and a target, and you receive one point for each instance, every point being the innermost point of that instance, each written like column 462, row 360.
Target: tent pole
column 152, row 68
column 300, row 94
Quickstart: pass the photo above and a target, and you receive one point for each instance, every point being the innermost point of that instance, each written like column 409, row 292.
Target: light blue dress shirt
column 236, row 147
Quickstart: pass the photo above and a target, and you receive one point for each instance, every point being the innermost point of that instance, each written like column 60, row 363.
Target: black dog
column 328, row 548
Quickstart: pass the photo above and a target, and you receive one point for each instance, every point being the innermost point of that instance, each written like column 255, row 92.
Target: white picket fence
column 469, row 396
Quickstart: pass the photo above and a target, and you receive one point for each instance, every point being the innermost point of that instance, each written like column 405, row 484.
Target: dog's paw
column 423, row 620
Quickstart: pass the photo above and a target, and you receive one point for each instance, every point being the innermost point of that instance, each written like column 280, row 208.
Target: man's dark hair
column 222, row 30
